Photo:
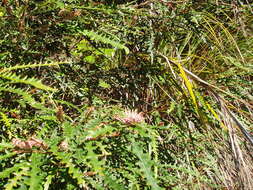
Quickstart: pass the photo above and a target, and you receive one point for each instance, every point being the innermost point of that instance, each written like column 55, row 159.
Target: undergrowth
column 125, row 95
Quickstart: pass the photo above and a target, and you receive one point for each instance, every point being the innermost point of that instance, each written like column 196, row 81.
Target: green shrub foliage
column 125, row 94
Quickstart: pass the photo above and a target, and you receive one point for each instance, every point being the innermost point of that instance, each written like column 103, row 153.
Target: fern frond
column 99, row 131
column 26, row 97
column 65, row 158
column 111, row 183
column 30, row 66
column 18, row 176
column 92, row 158
column 35, row 172
column 100, row 38
column 30, row 81
column 145, row 163
column 7, row 172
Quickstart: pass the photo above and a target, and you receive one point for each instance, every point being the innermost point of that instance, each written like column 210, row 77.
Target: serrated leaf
column 7, row 172
column 26, row 97
column 100, row 38
column 35, row 173
column 145, row 165
column 17, row 177
column 30, row 81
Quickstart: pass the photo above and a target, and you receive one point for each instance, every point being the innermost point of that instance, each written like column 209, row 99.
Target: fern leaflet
column 35, row 175
column 145, row 165
column 30, row 81
column 16, row 67
column 100, row 38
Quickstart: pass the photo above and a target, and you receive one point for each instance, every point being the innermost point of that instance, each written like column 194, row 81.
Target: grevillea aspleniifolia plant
column 100, row 150
column 188, row 70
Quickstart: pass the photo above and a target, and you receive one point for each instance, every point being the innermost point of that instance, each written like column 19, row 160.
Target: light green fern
column 7, row 172
column 13, row 182
column 30, row 81
column 30, row 66
column 65, row 158
column 35, row 173
column 146, row 164
column 100, row 38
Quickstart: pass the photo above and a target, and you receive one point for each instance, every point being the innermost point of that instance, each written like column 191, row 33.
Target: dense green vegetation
column 151, row 94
